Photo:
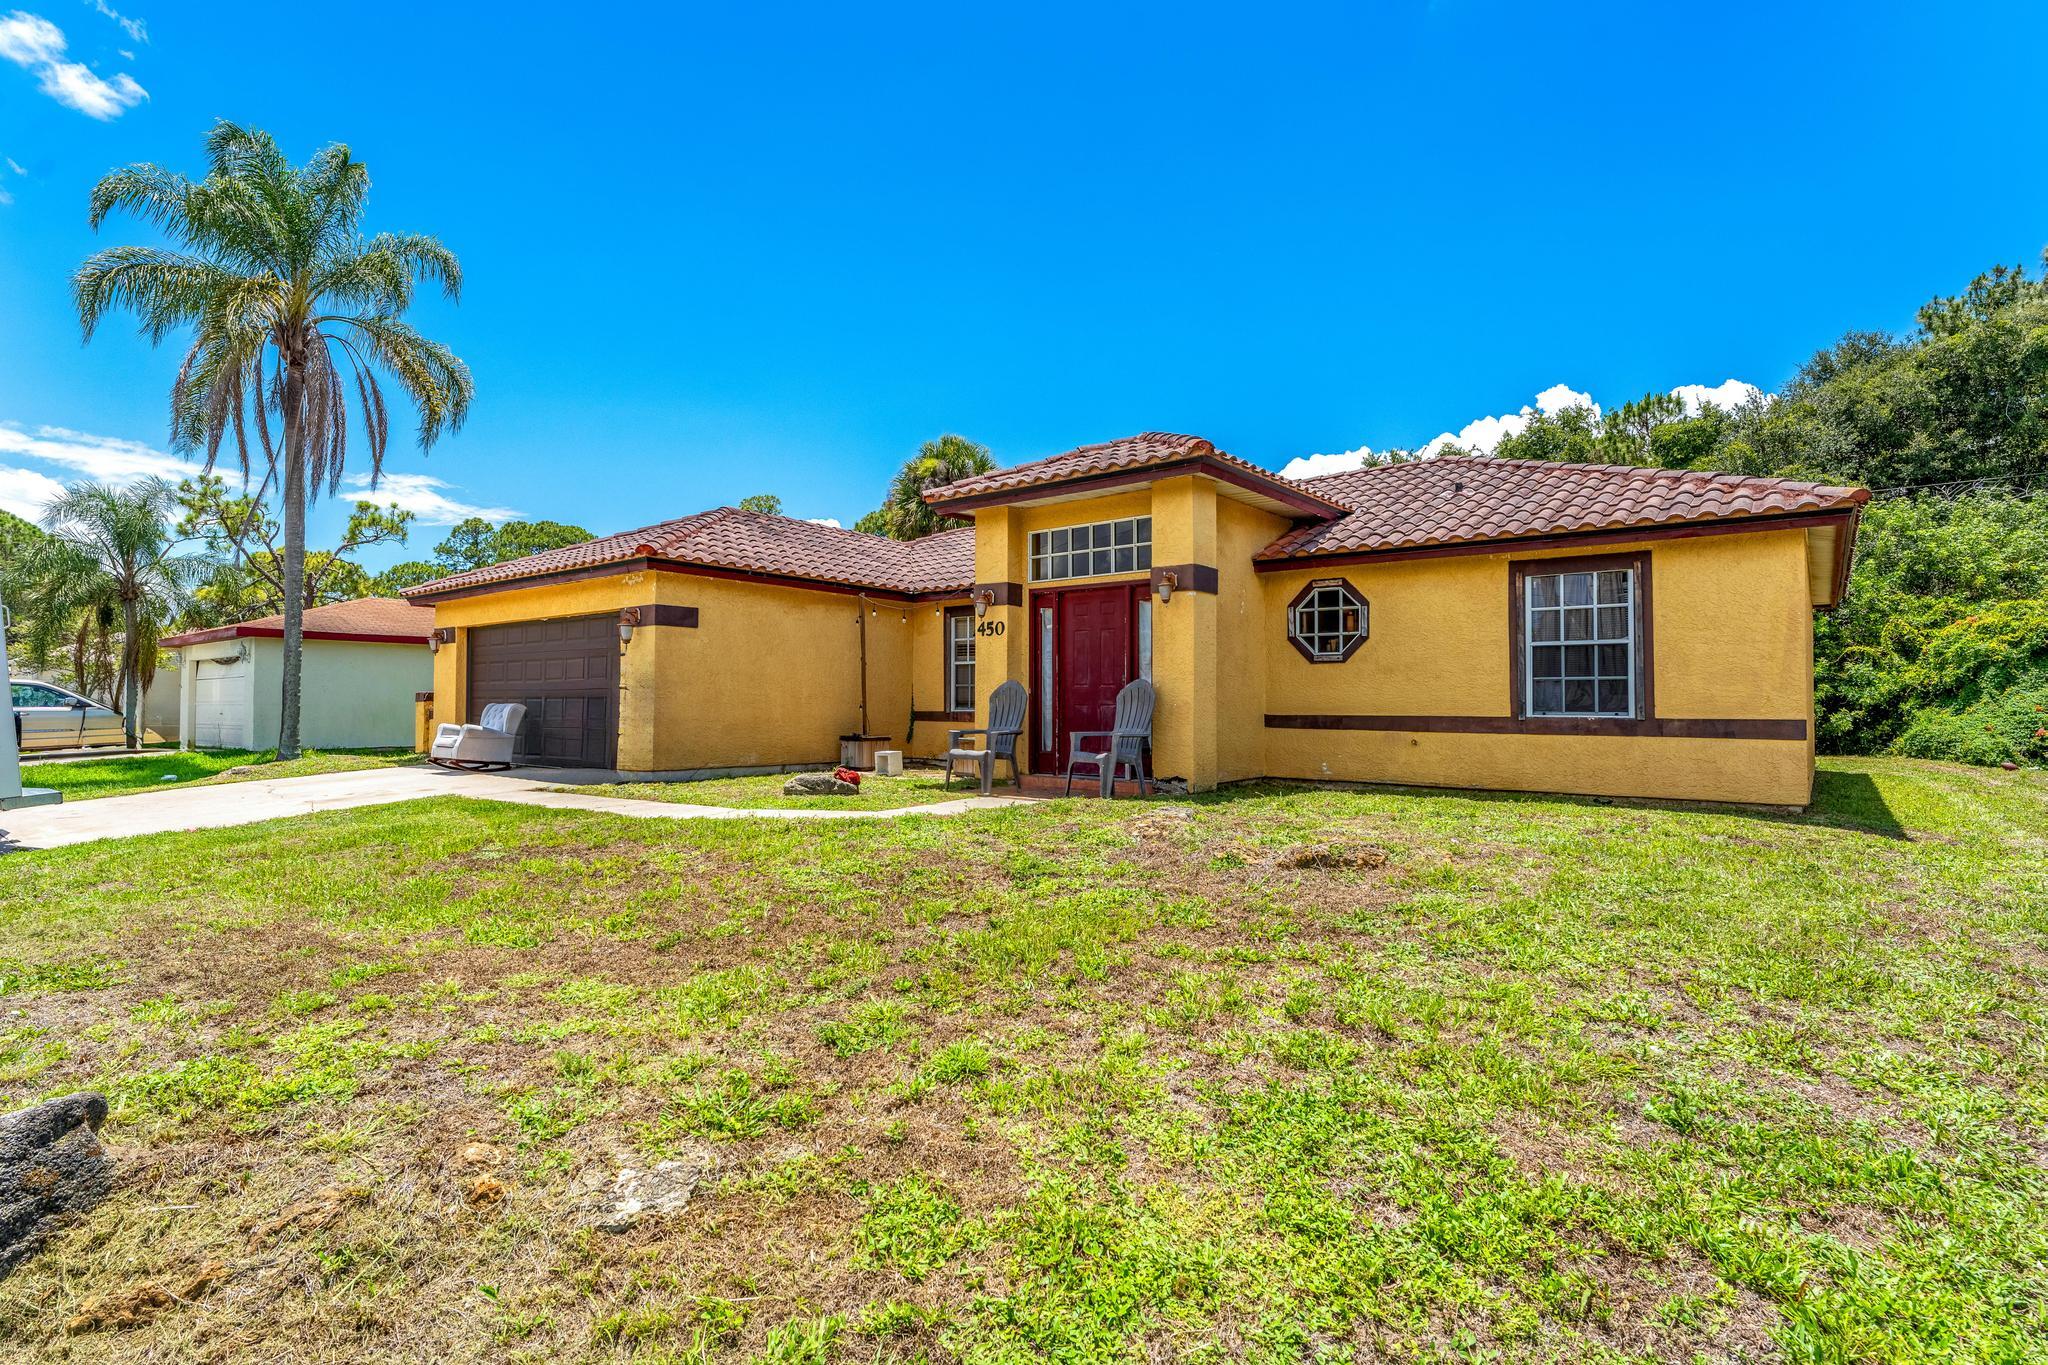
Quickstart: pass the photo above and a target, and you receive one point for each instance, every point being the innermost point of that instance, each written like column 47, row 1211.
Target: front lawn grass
column 1079, row 1081
column 917, row 787
column 89, row 778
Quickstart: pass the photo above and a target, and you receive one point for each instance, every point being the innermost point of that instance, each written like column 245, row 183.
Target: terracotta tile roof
column 1460, row 499
column 755, row 542
column 1142, row 451
column 386, row 619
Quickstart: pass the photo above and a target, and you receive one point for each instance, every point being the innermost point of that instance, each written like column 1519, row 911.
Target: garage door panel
column 565, row 672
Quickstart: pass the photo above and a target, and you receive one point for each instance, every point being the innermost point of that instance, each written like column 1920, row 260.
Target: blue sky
column 757, row 249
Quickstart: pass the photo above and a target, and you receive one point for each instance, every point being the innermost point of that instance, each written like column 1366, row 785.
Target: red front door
column 1093, row 650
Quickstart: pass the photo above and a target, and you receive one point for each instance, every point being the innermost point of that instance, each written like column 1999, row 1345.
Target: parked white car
column 48, row 717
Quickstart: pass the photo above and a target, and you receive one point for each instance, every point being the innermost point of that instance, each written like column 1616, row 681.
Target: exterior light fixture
column 437, row 638
column 629, row 617
column 984, row 598
column 434, row 643
column 1168, row 581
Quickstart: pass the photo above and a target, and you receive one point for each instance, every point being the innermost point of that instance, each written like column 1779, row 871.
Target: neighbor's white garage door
column 220, row 704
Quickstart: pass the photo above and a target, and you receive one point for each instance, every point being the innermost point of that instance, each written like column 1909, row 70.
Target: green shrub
column 2009, row 725
column 1945, row 613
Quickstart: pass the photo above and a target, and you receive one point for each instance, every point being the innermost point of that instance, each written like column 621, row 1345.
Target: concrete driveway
column 239, row 803
column 245, row 803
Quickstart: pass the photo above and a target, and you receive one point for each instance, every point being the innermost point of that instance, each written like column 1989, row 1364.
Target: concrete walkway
column 677, row 810
column 243, row 803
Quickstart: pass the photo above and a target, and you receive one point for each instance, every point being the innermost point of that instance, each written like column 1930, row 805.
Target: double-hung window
column 960, row 660
column 1580, row 632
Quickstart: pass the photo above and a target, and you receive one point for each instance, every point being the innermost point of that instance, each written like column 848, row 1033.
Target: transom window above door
column 1101, row 547
column 1581, row 633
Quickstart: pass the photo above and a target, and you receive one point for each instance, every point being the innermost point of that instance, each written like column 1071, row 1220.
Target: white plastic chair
column 485, row 745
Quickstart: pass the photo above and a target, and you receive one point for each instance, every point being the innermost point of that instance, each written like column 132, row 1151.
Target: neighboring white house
column 365, row 662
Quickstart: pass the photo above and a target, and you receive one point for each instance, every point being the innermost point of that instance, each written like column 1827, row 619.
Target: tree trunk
column 294, row 554
column 131, row 689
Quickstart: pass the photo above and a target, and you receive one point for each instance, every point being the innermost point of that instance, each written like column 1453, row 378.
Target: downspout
column 863, row 664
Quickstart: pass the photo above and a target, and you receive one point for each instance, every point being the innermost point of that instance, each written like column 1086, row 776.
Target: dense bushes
column 1941, row 649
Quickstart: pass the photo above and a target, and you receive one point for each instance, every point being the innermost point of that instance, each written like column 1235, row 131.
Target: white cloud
column 103, row 459
column 422, row 495
column 1483, row 435
column 37, row 46
column 134, row 28
column 1309, row 466
column 5, row 197
column 26, row 493
column 832, row 522
column 1728, row 395
column 14, row 165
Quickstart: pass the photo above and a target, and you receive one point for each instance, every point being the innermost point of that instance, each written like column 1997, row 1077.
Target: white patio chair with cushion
column 487, row 744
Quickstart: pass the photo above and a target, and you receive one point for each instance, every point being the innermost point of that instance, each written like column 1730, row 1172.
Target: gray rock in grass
column 53, row 1171
column 818, row 784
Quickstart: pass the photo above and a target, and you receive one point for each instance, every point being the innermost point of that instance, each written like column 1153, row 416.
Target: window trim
column 947, row 664
column 1364, row 619
column 1642, row 664
column 1032, row 557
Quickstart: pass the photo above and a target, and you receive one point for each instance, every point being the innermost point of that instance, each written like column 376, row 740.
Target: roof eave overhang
column 1845, row 518
column 247, row 632
column 428, row 595
column 1296, row 501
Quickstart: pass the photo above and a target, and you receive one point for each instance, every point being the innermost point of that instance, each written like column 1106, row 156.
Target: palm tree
column 904, row 514
column 286, row 301
column 110, row 555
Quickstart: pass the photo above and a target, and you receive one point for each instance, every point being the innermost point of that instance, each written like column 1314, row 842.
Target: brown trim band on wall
column 1003, row 594
column 1665, row 727
column 668, row 614
column 1188, row 577
column 942, row 717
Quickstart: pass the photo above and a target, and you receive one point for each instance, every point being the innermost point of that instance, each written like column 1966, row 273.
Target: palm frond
column 155, row 195
column 165, row 289
column 432, row 375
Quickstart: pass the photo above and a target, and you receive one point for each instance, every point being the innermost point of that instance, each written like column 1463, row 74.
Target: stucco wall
column 1244, row 620
column 351, row 695
column 1732, row 641
column 769, row 675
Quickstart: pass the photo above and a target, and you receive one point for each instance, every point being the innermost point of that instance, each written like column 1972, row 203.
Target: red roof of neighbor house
column 753, row 542
column 368, row 620
column 1464, row 499
column 1147, row 450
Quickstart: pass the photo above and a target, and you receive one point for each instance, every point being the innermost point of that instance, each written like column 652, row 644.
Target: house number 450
column 989, row 628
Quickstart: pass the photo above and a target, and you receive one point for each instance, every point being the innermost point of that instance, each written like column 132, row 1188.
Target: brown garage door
column 567, row 675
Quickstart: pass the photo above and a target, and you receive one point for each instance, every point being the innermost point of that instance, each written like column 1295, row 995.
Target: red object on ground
column 847, row 775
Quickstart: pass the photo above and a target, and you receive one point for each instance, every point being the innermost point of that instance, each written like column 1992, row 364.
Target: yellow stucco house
column 1458, row 622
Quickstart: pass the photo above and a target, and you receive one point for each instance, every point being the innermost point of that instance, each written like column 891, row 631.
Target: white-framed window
column 1101, row 547
column 960, row 661
column 1580, row 633
column 1327, row 621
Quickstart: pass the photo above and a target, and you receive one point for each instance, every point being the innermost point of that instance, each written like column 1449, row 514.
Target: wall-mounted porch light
column 984, row 598
column 629, row 617
column 445, row 635
column 1168, row 581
